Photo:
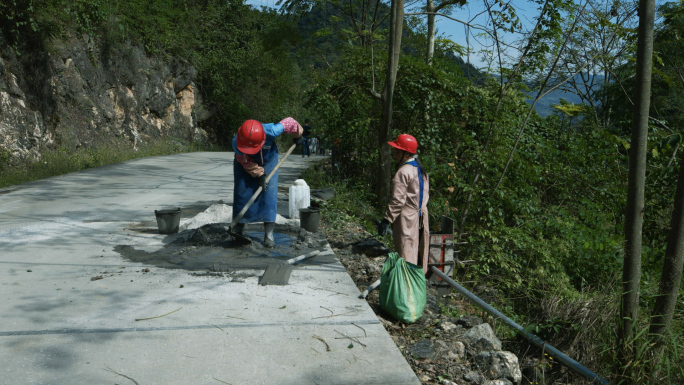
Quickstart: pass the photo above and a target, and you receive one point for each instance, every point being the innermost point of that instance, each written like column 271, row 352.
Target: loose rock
column 499, row 365
column 423, row 350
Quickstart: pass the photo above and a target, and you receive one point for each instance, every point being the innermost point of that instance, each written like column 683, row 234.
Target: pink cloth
column 291, row 126
column 252, row 168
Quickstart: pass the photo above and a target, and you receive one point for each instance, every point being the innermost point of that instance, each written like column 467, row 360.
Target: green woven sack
column 402, row 289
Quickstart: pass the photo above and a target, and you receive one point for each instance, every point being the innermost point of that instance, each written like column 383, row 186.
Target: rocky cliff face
column 72, row 94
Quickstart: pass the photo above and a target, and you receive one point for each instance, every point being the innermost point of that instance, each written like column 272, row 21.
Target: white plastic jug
column 300, row 198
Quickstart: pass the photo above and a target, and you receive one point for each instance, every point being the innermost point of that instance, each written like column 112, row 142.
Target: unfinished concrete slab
column 92, row 294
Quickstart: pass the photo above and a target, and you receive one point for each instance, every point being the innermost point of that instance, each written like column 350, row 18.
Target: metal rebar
column 553, row 352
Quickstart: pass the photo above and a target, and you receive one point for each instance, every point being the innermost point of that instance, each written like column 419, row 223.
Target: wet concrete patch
column 144, row 227
column 211, row 248
column 235, row 276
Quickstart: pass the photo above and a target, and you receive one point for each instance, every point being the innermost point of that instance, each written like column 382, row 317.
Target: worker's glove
column 383, row 227
column 263, row 183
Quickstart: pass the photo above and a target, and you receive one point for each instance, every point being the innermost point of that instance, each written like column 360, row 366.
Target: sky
column 526, row 10
column 473, row 13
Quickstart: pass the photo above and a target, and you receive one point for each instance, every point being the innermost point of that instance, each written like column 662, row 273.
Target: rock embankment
column 461, row 350
column 441, row 347
column 74, row 93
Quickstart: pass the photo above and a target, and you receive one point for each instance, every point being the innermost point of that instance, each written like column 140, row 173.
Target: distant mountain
column 545, row 105
column 469, row 70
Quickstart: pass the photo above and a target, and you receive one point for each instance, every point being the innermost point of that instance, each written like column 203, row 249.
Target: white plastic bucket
column 300, row 198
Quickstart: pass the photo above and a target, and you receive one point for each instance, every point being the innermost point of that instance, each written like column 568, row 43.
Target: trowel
column 238, row 237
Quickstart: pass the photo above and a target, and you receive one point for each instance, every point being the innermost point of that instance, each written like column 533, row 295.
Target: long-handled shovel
column 279, row 273
column 241, row 238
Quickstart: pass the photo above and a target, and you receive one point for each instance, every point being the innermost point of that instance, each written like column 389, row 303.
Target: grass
column 648, row 365
column 62, row 161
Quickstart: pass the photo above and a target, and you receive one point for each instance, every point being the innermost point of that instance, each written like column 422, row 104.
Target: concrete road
column 74, row 311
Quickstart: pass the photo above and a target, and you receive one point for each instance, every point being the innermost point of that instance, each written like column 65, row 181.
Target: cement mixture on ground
column 223, row 213
column 206, row 244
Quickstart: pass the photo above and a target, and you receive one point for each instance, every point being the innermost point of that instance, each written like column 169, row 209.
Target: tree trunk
column 430, row 52
column 430, row 8
column 631, row 273
column 672, row 271
column 384, row 132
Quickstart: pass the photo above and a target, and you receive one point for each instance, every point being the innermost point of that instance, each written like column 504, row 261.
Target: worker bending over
column 256, row 155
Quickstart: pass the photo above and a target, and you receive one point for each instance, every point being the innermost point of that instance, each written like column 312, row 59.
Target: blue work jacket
column 265, row 207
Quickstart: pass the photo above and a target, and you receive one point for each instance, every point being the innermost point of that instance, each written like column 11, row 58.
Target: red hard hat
column 250, row 137
column 406, row 143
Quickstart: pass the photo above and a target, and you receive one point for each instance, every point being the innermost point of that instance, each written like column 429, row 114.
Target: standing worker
column 305, row 139
column 407, row 209
column 256, row 155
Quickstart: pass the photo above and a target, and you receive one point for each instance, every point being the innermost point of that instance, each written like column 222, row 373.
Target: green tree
column 666, row 301
column 631, row 275
column 386, row 98
column 604, row 42
column 668, row 69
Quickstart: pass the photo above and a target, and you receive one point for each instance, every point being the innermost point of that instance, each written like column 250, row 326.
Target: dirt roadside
column 429, row 345
column 433, row 345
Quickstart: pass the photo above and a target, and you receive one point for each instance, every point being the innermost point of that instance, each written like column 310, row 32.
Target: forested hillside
column 539, row 201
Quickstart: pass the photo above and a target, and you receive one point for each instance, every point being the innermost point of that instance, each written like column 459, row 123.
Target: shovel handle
column 258, row 191
column 370, row 288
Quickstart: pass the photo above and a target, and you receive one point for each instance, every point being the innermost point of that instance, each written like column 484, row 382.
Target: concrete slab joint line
column 83, row 260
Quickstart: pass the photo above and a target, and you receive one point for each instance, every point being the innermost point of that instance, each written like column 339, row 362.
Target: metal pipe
column 553, row 352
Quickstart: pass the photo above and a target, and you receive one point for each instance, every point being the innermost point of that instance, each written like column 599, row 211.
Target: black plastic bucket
column 310, row 219
column 168, row 220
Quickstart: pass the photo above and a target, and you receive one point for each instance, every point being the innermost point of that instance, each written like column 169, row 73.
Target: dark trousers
column 305, row 146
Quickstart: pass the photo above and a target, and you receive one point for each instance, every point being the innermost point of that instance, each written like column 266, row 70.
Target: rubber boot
column 268, row 235
column 239, row 228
